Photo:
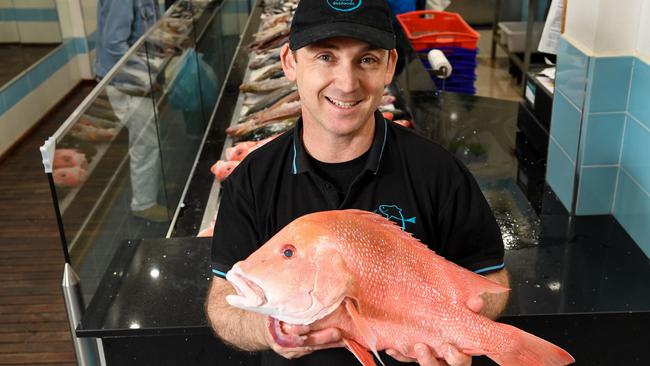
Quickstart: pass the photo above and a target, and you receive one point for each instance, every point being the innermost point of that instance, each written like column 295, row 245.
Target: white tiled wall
column 643, row 41
column 39, row 32
column 70, row 17
column 17, row 120
column 9, row 32
column 581, row 21
column 609, row 27
column 618, row 26
column 34, row 4
column 89, row 11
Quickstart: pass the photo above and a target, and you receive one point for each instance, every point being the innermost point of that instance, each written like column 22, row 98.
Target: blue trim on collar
column 382, row 145
column 218, row 273
column 295, row 169
column 491, row 268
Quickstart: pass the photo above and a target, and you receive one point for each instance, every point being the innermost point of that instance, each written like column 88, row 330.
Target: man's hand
column 313, row 340
column 446, row 354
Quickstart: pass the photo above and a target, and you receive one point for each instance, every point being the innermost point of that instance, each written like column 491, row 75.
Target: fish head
column 298, row 276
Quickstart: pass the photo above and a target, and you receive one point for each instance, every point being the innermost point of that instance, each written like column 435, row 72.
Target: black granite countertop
column 157, row 286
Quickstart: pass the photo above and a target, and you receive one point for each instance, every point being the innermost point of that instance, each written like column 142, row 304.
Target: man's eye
column 326, row 58
column 368, row 60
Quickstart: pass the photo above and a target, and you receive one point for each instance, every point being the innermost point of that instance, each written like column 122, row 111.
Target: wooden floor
column 33, row 323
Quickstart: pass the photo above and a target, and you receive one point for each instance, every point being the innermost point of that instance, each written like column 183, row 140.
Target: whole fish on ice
column 359, row 272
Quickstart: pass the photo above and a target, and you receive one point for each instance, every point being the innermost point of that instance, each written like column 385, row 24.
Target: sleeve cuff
column 220, row 270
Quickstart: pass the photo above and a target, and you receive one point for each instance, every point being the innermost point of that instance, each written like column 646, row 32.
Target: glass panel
column 173, row 67
column 123, row 158
column 108, row 175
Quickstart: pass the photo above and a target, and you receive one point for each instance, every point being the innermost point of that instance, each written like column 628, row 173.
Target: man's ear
column 288, row 62
column 392, row 63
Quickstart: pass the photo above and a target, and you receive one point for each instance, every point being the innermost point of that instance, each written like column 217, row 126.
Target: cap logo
column 344, row 5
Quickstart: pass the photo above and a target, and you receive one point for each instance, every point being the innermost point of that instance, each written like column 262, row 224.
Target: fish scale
column 359, row 272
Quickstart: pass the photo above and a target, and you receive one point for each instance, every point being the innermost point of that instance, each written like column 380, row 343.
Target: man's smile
column 342, row 104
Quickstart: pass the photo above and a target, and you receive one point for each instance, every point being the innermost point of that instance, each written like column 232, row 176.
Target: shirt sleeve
column 235, row 235
column 469, row 232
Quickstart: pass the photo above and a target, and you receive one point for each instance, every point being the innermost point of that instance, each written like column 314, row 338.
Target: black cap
column 365, row 20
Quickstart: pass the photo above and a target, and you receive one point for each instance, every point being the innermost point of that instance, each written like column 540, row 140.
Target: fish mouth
column 249, row 294
column 280, row 337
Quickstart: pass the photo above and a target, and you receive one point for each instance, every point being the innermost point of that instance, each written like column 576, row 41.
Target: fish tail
column 411, row 220
column 530, row 350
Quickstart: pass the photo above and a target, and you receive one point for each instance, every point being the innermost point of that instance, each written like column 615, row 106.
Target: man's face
column 340, row 81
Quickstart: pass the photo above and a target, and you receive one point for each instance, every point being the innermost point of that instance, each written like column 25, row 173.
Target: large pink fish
column 382, row 288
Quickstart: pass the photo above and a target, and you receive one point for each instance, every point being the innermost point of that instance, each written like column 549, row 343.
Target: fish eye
column 288, row 251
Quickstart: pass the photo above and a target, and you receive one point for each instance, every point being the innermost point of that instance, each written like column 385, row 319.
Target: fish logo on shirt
column 394, row 213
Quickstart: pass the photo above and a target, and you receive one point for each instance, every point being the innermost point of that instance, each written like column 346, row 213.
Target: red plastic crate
column 430, row 29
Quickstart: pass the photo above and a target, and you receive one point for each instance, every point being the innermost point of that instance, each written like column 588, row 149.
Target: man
column 120, row 23
column 343, row 154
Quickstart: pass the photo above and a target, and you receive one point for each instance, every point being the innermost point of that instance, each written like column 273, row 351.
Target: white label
column 530, row 93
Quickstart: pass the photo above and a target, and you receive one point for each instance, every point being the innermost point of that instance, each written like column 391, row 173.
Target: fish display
column 69, row 177
column 273, row 72
column 359, row 272
column 266, row 86
column 404, row 122
column 265, row 38
column 268, row 130
column 67, row 158
column 222, row 169
column 269, row 58
column 242, row 149
column 287, row 110
column 208, row 232
column 86, row 132
column 270, row 100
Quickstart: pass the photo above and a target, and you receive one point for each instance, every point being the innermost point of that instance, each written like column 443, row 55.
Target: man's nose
column 347, row 78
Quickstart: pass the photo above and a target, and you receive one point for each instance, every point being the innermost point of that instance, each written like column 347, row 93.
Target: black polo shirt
column 406, row 178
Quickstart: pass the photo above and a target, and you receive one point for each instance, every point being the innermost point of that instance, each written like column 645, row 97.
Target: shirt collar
column 300, row 160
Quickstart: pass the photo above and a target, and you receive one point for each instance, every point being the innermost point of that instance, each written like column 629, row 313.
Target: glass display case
column 121, row 162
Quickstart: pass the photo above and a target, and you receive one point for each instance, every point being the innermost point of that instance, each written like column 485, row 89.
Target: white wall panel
column 39, row 32
column 15, row 122
column 9, row 32
column 643, row 37
column 581, row 21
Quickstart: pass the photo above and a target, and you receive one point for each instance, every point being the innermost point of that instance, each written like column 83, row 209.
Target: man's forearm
column 242, row 329
column 495, row 304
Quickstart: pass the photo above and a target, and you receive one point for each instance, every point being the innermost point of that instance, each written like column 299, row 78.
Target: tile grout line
column 635, row 182
column 638, row 121
column 562, row 149
column 627, row 116
column 569, row 100
column 601, row 166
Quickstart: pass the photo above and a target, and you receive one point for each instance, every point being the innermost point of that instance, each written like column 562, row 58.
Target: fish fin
column 360, row 352
column 366, row 333
column 390, row 226
column 530, row 350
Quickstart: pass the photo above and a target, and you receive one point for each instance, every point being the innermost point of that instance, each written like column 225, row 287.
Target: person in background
column 120, row 23
column 343, row 154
